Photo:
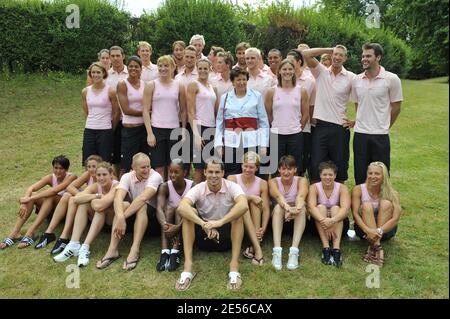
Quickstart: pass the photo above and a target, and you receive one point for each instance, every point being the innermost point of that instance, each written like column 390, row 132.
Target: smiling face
column 240, row 55
column 287, row 72
column 145, row 53
column 374, row 176
column 240, row 82
column 287, row 173
column 339, row 57
column 252, row 60
column 59, row 171
column 203, row 70
column 91, row 167
column 369, row 60
column 142, row 168
column 104, row 177
column 214, row 175
column 96, row 74
column 274, row 60
column 105, row 60
column 199, row 46
column 178, row 52
column 134, row 69
column 327, row 176
column 165, row 69
column 189, row 59
column 249, row 169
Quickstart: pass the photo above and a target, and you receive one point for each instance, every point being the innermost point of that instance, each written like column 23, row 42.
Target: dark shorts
column 160, row 154
column 291, row 144
column 306, row 154
column 330, row 142
column 368, row 148
column 224, row 243
column 134, row 140
column 153, row 227
column 199, row 156
column 386, row 235
column 117, row 141
column 98, row 142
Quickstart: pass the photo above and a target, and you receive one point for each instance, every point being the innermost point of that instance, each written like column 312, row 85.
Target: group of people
column 267, row 143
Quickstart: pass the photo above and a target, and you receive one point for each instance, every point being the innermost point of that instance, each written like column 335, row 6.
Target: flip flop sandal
column 8, row 241
column 247, row 253
column 28, row 241
column 104, row 263
column 235, row 279
column 130, row 265
column 258, row 262
column 185, row 276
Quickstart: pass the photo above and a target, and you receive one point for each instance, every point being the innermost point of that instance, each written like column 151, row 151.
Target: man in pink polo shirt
column 139, row 186
column 259, row 81
column 239, row 51
column 198, row 41
column 378, row 96
column 218, row 203
column 331, row 137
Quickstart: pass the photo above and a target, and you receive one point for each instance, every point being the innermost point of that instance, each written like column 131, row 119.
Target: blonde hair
column 144, row 44
column 294, row 78
column 168, row 59
column 340, row 46
column 106, row 166
column 204, row 60
column 255, row 51
column 251, row 157
column 96, row 158
column 387, row 191
column 139, row 157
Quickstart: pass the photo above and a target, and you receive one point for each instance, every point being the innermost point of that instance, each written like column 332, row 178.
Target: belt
column 243, row 123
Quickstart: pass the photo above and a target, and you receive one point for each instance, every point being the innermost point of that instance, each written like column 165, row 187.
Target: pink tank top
column 90, row 181
column 165, row 108
column 134, row 102
column 365, row 197
column 55, row 182
column 174, row 197
column 204, row 105
column 322, row 197
column 286, row 111
column 254, row 189
column 99, row 109
column 290, row 195
column 100, row 188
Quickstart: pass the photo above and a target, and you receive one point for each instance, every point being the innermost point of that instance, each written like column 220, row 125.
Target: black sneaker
column 174, row 262
column 59, row 246
column 44, row 240
column 337, row 258
column 163, row 260
column 326, row 256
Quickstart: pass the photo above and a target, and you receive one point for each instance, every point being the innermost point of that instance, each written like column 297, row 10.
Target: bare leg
column 255, row 213
column 188, row 230
column 59, row 213
column 385, row 212
column 46, row 207
column 96, row 226
column 70, row 217
column 277, row 225
column 337, row 228
column 322, row 233
column 140, row 225
column 80, row 223
column 299, row 228
column 21, row 220
column 114, row 243
column 251, row 233
column 237, row 233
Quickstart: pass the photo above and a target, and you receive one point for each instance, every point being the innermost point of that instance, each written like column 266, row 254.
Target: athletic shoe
column 326, row 256
column 276, row 259
column 174, row 262
column 293, row 258
column 44, row 240
column 70, row 250
column 337, row 258
column 163, row 262
column 59, row 246
column 83, row 256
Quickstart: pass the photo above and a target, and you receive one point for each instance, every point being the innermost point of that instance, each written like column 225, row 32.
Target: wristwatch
column 380, row 231
column 98, row 195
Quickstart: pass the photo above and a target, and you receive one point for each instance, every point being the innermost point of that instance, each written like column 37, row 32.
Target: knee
column 96, row 205
column 72, row 200
column 366, row 208
column 66, row 197
column 335, row 210
column 386, row 205
column 237, row 222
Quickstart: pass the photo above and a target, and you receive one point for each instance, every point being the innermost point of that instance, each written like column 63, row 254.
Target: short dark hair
column 216, row 50
column 214, row 160
column 287, row 161
column 328, row 165
column 227, row 57
column 275, row 51
column 116, row 47
column 61, row 160
column 298, row 55
column 136, row 59
column 376, row 47
column 238, row 71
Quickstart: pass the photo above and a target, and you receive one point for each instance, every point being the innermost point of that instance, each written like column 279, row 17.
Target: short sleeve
column 154, row 181
column 235, row 190
column 395, row 89
column 125, row 182
column 194, row 192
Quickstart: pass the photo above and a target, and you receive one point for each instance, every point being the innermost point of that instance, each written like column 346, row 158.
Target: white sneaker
column 69, row 251
column 293, row 258
column 83, row 256
column 276, row 259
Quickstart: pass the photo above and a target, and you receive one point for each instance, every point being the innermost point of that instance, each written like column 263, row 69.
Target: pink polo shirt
column 134, row 187
column 185, row 79
column 214, row 206
column 374, row 98
column 307, row 82
column 222, row 85
column 149, row 72
column 114, row 77
column 261, row 83
column 333, row 93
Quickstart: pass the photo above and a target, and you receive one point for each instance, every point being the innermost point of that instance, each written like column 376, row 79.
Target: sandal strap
column 234, row 275
column 185, row 275
column 27, row 240
column 8, row 241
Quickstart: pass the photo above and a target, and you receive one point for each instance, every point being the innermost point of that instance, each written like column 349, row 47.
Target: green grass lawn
column 42, row 117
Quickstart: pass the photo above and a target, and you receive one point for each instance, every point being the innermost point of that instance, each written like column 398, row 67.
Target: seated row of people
column 213, row 214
